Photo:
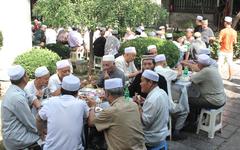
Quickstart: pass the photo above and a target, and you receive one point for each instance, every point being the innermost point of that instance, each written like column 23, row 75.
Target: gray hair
column 115, row 91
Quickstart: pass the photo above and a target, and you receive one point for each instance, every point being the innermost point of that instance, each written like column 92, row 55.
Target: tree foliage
column 91, row 13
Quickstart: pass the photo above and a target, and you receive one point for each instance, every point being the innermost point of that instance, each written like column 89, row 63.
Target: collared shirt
column 64, row 115
column 18, row 124
column 155, row 117
column 54, row 83
column 127, row 68
column 32, row 91
column 206, row 34
column 51, row 36
column 210, row 85
column 115, row 74
column 75, row 39
column 121, row 125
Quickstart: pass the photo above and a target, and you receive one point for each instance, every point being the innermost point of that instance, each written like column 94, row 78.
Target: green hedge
column 1, row 39
column 164, row 47
column 35, row 58
column 59, row 48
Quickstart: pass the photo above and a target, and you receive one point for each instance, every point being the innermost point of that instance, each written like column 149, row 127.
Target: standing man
column 227, row 38
column 18, row 124
column 155, row 111
column 109, row 71
column 55, row 81
column 198, row 27
column 120, row 122
column 112, row 44
column 64, row 115
column 37, row 89
column 126, row 63
column 207, row 33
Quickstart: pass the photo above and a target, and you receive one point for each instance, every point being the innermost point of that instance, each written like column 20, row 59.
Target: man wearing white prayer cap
column 212, row 95
column 152, row 50
column 227, row 38
column 207, row 33
column 126, row 63
column 155, row 111
column 65, row 115
column 18, row 124
column 188, row 38
column 123, row 114
column 161, row 32
column 37, row 89
column 55, row 81
column 109, row 71
column 169, row 36
column 198, row 22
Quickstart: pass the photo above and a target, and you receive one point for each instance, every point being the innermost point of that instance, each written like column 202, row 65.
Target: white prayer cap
column 113, row 83
column 199, row 18
column 161, row 27
column 160, row 57
column 151, row 47
column 142, row 28
column 130, row 50
column 16, row 72
column 197, row 34
column 41, row 71
column 108, row 58
column 228, row 19
column 189, row 30
column 204, row 51
column 203, row 59
column 151, row 75
column 62, row 64
column 71, row 83
column 169, row 35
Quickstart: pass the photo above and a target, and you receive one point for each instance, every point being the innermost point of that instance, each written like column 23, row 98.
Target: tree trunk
column 91, row 55
column 236, row 19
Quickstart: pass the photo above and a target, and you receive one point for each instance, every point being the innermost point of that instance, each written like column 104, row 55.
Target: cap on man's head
column 169, row 35
column 151, row 47
column 161, row 27
column 228, row 19
column 139, row 30
column 62, row 64
column 108, row 58
column 41, row 71
column 71, row 83
column 203, row 59
column 197, row 34
column 199, row 18
column 189, row 30
column 16, row 72
column 151, row 75
column 130, row 50
column 113, row 83
column 160, row 57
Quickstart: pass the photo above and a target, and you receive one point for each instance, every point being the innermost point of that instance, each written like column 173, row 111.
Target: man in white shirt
column 155, row 110
column 64, row 115
column 51, row 35
column 55, row 81
column 37, row 89
column 126, row 63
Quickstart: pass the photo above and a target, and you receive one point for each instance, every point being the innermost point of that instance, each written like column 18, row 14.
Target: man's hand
column 106, row 75
column 39, row 94
column 90, row 101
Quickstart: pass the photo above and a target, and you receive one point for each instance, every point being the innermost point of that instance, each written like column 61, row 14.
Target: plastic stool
column 210, row 123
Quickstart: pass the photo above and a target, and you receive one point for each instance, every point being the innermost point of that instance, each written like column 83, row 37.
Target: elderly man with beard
column 109, row 71
column 55, row 81
column 37, row 89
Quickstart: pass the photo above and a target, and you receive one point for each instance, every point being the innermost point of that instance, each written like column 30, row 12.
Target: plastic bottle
column 126, row 94
column 185, row 71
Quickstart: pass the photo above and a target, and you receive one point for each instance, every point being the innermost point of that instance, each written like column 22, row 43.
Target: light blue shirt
column 155, row 116
column 64, row 115
column 18, row 124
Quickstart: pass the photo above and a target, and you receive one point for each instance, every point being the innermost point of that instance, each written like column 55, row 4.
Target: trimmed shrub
column 59, row 48
column 35, row 58
column 1, row 39
column 164, row 47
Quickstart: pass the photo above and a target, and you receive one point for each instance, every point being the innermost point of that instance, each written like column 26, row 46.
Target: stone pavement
column 229, row 139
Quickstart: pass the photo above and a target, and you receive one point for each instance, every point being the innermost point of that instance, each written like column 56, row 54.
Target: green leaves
column 35, row 58
column 1, row 39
